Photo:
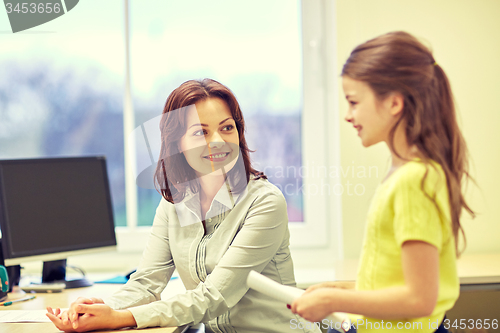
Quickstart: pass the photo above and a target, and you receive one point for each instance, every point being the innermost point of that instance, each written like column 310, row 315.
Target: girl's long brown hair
column 398, row 62
column 172, row 170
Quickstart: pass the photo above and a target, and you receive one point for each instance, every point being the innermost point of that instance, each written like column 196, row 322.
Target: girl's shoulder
column 414, row 172
column 420, row 168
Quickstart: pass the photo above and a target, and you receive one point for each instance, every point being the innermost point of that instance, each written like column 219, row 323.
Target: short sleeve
column 416, row 215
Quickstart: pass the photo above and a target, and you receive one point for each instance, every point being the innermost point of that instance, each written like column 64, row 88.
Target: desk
column 62, row 300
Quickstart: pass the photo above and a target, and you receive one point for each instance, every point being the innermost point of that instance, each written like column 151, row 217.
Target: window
column 257, row 50
column 253, row 48
column 61, row 94
column 61, row 90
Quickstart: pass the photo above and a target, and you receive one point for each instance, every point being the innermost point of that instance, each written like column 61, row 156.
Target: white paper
column 271, row 288
column 287, row 294
column 23, row 316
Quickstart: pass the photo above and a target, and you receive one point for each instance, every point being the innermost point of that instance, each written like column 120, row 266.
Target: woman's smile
column 217, row 157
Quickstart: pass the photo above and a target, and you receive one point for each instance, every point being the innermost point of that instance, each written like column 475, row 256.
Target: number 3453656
column 471, row 323
column 32, row 8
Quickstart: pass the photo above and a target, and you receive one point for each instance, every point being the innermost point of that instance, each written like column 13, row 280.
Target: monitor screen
column 52, row 207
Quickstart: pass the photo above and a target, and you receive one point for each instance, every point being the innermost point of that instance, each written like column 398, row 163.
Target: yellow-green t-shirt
column 400, row 211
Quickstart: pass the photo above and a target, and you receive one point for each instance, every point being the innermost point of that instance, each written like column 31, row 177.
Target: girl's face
column 372, row 118
column 211, row 140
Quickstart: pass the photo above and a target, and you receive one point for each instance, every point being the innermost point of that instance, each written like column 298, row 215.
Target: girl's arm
column 417, row 298
column 333, row 284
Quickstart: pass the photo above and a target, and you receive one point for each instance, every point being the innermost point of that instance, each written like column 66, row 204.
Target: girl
column 407, row 278
column 218, row 220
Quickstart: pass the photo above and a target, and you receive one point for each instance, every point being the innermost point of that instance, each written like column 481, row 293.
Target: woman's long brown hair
column 398, row 62
column 172, row 170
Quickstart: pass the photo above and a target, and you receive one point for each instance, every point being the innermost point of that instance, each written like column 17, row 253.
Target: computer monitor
column 52, row 208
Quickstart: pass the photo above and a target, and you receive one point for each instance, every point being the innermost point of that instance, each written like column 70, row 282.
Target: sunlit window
column 61, row 90
column 254, row 48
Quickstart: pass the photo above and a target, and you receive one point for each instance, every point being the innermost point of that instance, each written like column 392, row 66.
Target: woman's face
column 211, row 140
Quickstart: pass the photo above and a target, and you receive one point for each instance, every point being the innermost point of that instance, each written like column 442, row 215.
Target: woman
column 219, row 219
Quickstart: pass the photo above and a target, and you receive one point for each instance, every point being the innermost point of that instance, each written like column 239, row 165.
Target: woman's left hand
column 316, row 304
column 93, row 317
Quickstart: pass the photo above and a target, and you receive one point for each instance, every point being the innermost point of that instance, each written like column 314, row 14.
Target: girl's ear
column 396, row 103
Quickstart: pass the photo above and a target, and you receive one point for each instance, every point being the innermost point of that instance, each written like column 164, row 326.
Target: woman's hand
column 71, row 316
column 314, row 305
column 92, row 317
column 332, row 284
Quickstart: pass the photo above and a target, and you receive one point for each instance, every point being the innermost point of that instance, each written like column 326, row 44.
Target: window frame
column 318, row 239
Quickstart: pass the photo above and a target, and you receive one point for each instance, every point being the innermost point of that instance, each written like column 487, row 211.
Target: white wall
column 465, row 37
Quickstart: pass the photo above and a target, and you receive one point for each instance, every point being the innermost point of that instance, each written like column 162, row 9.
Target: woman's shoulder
column 264, row 199
column 263, row 185
column 165, row 205
column 261, row 188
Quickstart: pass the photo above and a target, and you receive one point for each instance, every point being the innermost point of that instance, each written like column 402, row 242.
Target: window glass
column 61, row 89
column 254, row 48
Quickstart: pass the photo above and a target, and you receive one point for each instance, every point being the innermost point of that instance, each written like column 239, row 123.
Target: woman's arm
column 145, row 286
column 253, row 247
column 155, row 268
column 417, row 298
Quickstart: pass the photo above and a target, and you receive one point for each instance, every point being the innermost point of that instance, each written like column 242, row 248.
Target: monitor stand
column 55, row 272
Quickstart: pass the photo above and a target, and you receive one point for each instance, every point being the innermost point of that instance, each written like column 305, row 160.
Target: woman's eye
column 352, row 103
column 199, row 133
column 228, row 128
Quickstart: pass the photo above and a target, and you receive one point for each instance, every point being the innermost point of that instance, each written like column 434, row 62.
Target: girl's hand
column 94, row 317
column 316, row 304
column 333, row 284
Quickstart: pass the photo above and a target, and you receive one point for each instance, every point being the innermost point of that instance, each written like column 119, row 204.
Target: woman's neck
column 209, row 186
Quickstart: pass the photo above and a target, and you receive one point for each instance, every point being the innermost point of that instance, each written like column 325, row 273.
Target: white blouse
column 243, row 232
